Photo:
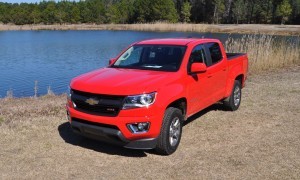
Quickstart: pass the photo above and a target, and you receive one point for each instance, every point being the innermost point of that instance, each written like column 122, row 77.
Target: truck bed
column 231, row 56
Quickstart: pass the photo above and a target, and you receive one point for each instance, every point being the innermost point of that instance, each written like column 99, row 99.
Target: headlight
column 143, row 100
column 69, row 93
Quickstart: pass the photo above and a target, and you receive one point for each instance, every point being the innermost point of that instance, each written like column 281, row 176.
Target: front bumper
column 114, row 130
column 111, row 135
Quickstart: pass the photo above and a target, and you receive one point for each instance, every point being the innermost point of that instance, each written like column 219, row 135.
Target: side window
column 215, row 52
column 197, row 55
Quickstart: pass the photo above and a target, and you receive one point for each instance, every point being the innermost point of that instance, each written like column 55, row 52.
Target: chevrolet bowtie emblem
column 92, row 101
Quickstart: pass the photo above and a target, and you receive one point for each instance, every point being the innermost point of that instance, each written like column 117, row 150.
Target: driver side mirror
column 198, row 67
column 111, row 61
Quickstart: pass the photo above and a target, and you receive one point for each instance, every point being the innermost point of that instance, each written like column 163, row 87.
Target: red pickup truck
column 143, row 97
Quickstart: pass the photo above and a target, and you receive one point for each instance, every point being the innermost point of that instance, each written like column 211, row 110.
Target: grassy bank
column 259, row 141
column 265, row 52
column 213, row 28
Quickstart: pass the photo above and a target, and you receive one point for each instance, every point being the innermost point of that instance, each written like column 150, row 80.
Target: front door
column 198, row 83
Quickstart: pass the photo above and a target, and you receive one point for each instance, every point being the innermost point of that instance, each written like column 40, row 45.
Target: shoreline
column 285, row 30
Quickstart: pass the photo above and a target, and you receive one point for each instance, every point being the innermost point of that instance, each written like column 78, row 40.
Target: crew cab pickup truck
column 142, row 98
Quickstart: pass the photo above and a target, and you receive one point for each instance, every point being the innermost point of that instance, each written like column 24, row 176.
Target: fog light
column 139, row 127
column 142, row 126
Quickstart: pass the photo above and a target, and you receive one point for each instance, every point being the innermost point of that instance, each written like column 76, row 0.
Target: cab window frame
column 209, row 54
column 204, row 55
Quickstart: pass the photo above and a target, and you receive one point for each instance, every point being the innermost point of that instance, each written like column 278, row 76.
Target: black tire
column 233, row 102
column 167, row 145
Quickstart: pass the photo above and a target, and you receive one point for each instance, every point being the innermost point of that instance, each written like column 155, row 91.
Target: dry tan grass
column 265, row 52
column 218, row 28
column 161, row 26
column 259, row 141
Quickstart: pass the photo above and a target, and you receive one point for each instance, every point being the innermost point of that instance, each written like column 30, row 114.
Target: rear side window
column 215, row 52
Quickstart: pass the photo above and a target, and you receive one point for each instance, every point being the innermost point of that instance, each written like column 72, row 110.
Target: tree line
column 147, row 11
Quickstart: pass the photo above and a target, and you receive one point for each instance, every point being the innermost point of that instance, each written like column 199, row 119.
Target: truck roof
column 175, row 41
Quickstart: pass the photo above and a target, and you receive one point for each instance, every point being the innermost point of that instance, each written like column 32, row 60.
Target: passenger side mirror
column 111, row 61
column 198, row 67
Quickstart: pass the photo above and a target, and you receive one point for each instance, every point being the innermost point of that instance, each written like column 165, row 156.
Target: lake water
column 53, row 58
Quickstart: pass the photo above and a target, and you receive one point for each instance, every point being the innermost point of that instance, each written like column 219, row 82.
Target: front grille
column 97, row 104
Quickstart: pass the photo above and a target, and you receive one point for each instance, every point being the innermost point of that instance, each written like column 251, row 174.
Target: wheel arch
column 241, row 79
column 230, row 82
column 180, row 104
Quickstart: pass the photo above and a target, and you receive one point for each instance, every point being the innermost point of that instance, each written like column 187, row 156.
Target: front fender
column 169, row 94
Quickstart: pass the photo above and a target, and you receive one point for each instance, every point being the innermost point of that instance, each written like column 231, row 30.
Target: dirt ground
column 259, row 141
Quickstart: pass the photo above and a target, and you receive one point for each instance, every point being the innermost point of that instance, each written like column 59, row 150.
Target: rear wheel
column 234, row 100
column 171, row 131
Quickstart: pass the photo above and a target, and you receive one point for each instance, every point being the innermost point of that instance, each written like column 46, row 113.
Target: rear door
column 216, row 71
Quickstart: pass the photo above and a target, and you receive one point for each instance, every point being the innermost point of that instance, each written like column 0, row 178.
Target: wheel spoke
column 176, row 124
column 237, row 96
column 174, row 132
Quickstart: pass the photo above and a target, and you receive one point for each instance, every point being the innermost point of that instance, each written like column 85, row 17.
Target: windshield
column 151, row 57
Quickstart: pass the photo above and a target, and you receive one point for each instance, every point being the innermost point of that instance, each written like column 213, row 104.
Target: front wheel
column 171, row 131
column 234, row 100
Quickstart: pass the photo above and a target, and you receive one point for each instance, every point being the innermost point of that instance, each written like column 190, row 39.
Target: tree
column 61, row 12
column 85, row 12
column 126, row 9
column 155, row 10
column 219, row 9
column 178, row 5
column 120, row 12
column 284, row 11
column 227, row 12
column 239, row 10
column 132, row 11
column 75, row 15
column 261, row 11
column 97, row 8
column 186, row 12
column 20, row 14
column 113, row 14
column 48, row 14
column 36, row 15
column 295, row 17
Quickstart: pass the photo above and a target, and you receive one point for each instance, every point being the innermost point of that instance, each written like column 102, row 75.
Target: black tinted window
column 151, row 57
column 215, row 52
column 198, row 55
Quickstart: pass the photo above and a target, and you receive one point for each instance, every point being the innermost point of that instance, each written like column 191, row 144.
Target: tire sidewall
column 176, row 113
column 233, row 106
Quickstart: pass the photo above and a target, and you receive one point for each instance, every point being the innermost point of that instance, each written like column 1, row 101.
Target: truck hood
column 117, row 81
